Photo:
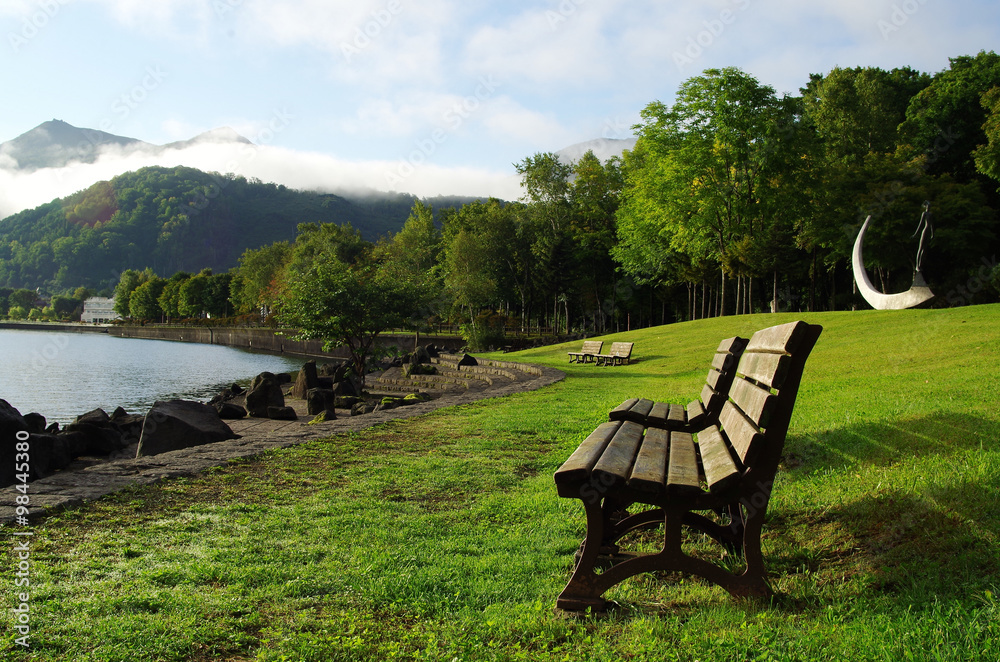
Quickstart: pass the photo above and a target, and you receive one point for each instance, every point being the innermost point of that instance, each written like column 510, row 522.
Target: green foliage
column 344, row 303
column 257, row 282
column 144, row 300
column 485, row 333
column 987, row 156
column 944, row 121
column 167, row 220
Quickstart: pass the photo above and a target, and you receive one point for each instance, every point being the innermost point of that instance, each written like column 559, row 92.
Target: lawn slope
column 442, row 537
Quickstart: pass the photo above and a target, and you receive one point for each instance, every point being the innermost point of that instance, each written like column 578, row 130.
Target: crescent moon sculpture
column 917, row 294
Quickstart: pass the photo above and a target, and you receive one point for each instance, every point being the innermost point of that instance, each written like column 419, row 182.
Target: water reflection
column 61, row 375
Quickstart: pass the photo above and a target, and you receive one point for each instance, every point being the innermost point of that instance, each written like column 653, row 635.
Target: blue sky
column 430, row 96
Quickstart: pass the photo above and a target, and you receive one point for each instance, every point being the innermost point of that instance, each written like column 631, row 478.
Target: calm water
column 62, row 375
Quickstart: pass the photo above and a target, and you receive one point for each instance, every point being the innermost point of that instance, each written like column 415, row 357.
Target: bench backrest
column 592, row 346
column 621, row 349
column 699, row 412
column 754, row 419
column 718, row 382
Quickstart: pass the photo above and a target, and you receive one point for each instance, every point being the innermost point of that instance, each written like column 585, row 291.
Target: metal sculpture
column 918, row 292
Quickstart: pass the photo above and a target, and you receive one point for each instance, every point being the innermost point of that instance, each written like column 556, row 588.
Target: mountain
column 603, row 148
column 55, row 144
column 169, row 219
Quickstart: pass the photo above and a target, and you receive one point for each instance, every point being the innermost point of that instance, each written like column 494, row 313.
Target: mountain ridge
column 56, row 143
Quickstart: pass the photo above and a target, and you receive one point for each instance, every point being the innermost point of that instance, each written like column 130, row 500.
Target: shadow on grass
column 922, row 528
column 880, row 443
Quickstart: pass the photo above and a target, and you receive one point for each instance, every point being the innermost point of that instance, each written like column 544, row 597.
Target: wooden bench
column 620, row 354
column 698, row 413
column 591, row 348
column 716, row 480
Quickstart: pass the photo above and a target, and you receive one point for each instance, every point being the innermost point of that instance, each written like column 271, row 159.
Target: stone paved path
column 71, row 488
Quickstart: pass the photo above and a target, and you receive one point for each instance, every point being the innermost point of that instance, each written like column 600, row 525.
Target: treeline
column 734, row 200
column 24, row 304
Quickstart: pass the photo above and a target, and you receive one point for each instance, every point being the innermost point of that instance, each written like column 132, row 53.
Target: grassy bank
column 442, row 537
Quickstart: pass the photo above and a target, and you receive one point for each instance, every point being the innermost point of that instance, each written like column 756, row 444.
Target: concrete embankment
column 54, row 326
column 268, row 340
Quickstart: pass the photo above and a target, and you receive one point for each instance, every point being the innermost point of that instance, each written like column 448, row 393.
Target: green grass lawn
column 442, row 538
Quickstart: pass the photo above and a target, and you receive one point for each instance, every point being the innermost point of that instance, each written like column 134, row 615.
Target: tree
column 127, row 284
column 944, row 122
column 347, row 305
column 256, row 283
column 545, row 179
column 169, row 299
column 705, row 167
column 143, row 301
column 193, row 295
column 415, row 248
column 987, row 156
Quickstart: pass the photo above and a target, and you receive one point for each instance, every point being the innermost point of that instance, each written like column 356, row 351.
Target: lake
column 62, row 375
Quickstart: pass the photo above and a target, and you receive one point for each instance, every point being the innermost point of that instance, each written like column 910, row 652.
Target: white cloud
column 295, row 169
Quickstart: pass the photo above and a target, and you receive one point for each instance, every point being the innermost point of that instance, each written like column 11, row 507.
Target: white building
column 99, row 310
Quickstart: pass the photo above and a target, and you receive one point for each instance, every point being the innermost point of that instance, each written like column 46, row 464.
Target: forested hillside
column 169, row 220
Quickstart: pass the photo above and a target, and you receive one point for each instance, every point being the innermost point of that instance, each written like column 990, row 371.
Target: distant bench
column 620, row 354
column 591, row 348
column 715, row 477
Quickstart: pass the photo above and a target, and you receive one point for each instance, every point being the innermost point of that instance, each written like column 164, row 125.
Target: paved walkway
column 72, row 487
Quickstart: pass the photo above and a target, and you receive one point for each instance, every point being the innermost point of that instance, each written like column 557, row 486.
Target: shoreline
column 250, row 338
column 70, row 488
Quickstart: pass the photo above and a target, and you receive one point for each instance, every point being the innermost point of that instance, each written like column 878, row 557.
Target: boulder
column 230, row 410
column 52, row 429
column 99, row 439
column 283, row 378
column 265, row 391
column 97, row 416
column 320, row 399
column 35, row 422
column 282, row 414
column 130, row 425
column 358, row 408
column 11, row 422
column 468, row 359
column 324, row 416
column 177, row 424
column 307, row 379
column 52, row 452
column 227, row 394
column 346, row 401
column 420, row 355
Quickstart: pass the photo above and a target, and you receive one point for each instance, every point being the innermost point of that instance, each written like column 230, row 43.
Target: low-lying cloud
column 21, row 190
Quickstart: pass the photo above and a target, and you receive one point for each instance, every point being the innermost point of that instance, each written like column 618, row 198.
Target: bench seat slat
column 616, row 461
column 720, row 469
column 650, row 469
column 579, row 465
column 682, row 472
column 621, row 411
column 640, row 410
column 743, row 434
column 659, row 415
column 677, row 415
column 695, row 412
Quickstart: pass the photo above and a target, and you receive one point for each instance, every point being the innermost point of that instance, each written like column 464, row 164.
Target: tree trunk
column 774, row 293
